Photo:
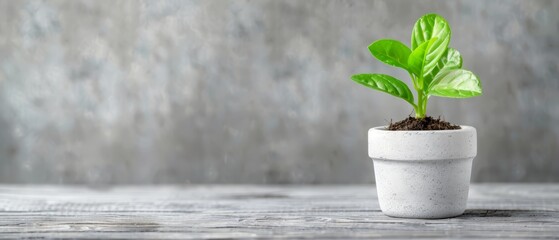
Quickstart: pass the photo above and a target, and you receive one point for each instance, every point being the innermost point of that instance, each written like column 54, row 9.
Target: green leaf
column 450, row 60
column 385, row 83
column 429, row 27
column 391, row 52
column 417, row 59
column 456, row 83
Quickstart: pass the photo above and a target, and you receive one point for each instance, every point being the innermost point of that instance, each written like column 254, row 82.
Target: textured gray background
column 107, row 92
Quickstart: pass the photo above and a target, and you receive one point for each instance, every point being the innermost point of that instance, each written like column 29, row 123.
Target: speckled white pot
column 422, row 174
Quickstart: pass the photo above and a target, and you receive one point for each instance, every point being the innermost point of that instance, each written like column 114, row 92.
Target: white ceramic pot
column 422, row 174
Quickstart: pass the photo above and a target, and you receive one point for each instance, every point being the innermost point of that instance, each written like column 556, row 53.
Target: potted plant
column 422, row 165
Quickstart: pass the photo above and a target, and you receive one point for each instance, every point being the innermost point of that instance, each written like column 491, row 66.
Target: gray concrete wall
column 126, row 92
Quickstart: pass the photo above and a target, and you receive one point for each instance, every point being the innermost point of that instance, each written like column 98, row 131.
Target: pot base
column 423, row 189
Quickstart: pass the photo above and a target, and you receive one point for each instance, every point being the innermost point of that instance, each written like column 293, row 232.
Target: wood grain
column 192, row 212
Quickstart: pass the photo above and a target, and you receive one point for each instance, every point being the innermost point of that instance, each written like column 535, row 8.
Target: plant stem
column 421, row 105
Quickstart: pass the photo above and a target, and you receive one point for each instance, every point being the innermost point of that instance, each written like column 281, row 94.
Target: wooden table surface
column 237, row 211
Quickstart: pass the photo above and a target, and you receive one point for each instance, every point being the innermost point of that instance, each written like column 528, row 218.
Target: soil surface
column 427, row 123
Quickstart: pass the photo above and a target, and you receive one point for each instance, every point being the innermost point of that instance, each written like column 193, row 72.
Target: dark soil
column 427, row 123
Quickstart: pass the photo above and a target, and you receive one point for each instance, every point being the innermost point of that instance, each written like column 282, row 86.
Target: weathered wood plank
column 181, row 212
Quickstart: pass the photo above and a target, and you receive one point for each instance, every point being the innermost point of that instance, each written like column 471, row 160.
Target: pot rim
column 384, row 129
column 422, row 145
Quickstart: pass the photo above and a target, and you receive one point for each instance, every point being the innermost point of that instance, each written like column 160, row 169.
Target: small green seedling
column 435, row 69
